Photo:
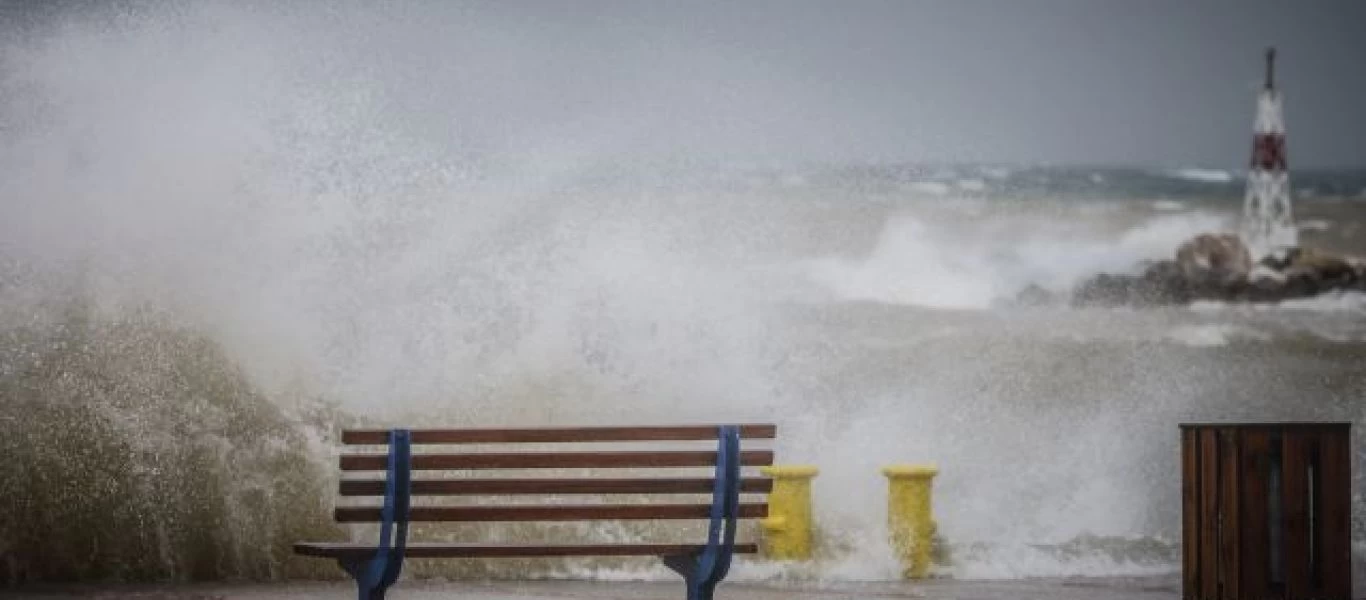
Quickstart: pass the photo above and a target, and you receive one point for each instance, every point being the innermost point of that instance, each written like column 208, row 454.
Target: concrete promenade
column 1050, row 589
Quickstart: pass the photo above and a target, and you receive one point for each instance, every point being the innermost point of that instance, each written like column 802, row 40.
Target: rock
column 1301, row 283
column 1160, row 283
column 1164, row 282
column 1214, row 258
column 1104, row 289
column 1326, row 266
column 1162, row 270
column 1263, row 272
column 1219, row 267
column 1263, row 289
column 1279, row 260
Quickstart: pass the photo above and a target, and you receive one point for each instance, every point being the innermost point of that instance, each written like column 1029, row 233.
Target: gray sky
column 1092, row 81
column 1024, row 81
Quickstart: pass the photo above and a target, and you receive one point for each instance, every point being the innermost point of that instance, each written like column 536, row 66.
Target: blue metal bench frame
column 701, row 571
column 374, row 575
column 704, row 570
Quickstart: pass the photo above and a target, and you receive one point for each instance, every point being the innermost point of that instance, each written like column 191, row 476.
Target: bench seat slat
column 559, row 434
column 442, row 550
column 555, row 460
column 493, row 487
column 562, row 512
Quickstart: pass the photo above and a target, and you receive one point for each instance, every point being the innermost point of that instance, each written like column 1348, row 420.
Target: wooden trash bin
column 1266, row 511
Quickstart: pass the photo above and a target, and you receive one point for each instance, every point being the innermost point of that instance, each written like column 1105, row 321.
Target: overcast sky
column 1142, row 82
column 1168, row 82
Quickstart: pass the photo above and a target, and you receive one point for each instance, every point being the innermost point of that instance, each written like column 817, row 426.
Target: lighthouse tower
column 1268, row 226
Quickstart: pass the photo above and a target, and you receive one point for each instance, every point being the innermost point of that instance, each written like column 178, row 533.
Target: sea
column 175, row 375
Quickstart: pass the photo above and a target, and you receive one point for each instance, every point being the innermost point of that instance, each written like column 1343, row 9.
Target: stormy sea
column 175, row 366
column 214, row 254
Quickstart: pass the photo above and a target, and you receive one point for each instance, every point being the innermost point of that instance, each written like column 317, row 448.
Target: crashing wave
column 137, row 451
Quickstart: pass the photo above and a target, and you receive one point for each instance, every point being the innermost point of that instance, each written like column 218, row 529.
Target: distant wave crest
column 1203, row 175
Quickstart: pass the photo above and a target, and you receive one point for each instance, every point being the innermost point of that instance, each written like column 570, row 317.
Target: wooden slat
column 1255, row 538
column 559, row 434
column 435, row 550
column 1270, row 425
column 1209, row 506
column 1335, row 505
column 1190, row 512
column 1228, row 529
column 567, row 512
column 471, row 487
column 555, row 460
column 1295, row 494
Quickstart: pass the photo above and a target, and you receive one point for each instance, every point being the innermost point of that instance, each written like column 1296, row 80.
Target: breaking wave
column 137, row 450
column 977, row 267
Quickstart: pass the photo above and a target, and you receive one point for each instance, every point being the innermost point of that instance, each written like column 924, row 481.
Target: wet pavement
column 1053, row 589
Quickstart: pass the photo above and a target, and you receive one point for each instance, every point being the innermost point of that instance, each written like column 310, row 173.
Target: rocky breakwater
column 1220, row 267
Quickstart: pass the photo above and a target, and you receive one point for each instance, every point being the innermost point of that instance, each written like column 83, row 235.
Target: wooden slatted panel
column 1228, row 528
column 1255, row 538
column 470, row 487
column 1335, row 460
column 1237, row 510
column 565, row 512
column 559, row 434
column 1295, row 495
column 555, row 460
column 435, row 550
column 1190, row 511
column 1209, row 505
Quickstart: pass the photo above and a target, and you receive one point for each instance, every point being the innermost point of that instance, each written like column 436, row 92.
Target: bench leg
column 701, row 590
column 686, row 565
column 359, row 570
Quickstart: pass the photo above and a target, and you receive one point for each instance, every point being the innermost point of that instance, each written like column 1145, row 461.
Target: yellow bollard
column 910, row 515
column 787, row 530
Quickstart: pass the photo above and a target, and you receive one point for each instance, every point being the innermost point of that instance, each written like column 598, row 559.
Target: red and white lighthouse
column 1268, row 225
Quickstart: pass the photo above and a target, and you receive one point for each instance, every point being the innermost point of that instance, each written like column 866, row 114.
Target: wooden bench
column 702, row 564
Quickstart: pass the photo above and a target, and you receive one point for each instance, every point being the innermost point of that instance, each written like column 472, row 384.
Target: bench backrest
column 626, row 452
